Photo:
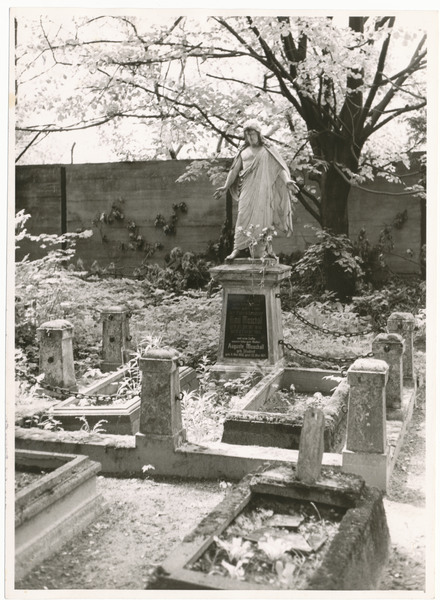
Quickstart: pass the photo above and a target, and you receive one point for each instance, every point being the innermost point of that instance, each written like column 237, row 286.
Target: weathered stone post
column 160, row 396
column 311, row 446
column 56, row 354
column 390, row 347
column 366, row 450
column 115, row 337
column 403, row 324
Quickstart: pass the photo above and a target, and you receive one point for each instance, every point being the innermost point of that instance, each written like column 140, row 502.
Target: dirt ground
column 147, row 517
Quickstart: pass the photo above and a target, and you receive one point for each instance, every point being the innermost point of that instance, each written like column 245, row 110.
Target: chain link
column 329, row 331
column 338, row 361
column 60, row 391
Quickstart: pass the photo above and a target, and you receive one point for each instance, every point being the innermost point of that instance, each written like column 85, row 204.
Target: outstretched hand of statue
column 292, row 187
column 220, row 191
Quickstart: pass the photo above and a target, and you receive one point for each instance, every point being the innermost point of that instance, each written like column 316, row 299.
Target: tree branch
column 375, row 112
column 30, row 144
column 359, row 187
column 378, row 75
column 309, row 209
column 253, row 85
column 397, row 112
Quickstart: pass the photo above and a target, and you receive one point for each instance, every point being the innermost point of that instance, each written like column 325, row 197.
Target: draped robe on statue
column 263, row 198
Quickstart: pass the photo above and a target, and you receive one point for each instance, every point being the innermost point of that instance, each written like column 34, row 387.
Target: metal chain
column 329, row 331
column 337, row 361
column 60, row 391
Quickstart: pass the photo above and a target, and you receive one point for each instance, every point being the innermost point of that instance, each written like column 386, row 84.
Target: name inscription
column 246, row 327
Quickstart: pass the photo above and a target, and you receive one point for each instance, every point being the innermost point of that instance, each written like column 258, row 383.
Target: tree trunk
column 334, row 210
column 334, row 202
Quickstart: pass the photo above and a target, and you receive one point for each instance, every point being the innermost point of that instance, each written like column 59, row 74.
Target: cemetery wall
column 69, row 197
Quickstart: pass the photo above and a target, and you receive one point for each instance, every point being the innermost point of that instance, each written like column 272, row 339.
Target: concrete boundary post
column 160, row 395
column 115, row 337
column 366, row 450
column 56, row 353
column 404, row 324
column 390, row 347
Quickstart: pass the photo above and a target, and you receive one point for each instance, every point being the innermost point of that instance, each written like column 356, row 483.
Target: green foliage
column 397, row 295
column 202, row 417
column 42, row 286
column 236, row 549
column 274, row 548
column 48, row 423
column 136, row 240
column 311, row 268
column 190, row 270
column 169, row 227
column 212, row 168
column 204, row 411
column 97, row 428
column 194, row 60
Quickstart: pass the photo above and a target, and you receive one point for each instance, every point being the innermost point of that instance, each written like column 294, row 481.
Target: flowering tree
column 327, row 92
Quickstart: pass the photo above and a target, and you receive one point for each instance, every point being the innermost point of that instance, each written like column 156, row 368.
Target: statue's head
column 251, row 126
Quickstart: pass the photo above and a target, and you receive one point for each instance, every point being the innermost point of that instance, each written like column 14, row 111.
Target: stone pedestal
column 115, row 337
column 390, row 347
column 366, row 451
column 251, row 325
column 160, row 395
column 366, row 431
column 56, row 354
column 403, row 324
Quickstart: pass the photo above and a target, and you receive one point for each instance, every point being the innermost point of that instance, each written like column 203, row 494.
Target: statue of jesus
column 259, row 180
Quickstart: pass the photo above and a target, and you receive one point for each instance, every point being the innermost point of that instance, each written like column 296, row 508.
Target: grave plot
column 55, row 499
column 268, row 530
column 111, row 404
column 272, row 413
column 283, row 527
column 115, row 401
column 272, row 532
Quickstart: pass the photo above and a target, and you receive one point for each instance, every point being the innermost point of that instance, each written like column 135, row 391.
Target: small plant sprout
column 149, row 342
column 237, row 550
column 47, row 423
column 235, row 571
column 314, row 506
column 50, row 424
column 97, row 428
column 274, row 548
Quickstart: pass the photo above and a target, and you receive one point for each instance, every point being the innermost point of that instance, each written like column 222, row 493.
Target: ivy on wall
column 169, row 227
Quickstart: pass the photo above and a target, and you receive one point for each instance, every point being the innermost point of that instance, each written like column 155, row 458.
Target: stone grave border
column 56, row 507
column 246, row 423
column 380, row 385
column 354, row 560
column 121, row 419
column 161, row 441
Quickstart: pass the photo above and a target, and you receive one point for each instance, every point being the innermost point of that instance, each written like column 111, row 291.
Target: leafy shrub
column 42, row 285
column 335, row 249
column 398, row 295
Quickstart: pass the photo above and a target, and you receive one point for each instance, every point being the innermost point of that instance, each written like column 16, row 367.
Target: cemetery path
column 147, row 518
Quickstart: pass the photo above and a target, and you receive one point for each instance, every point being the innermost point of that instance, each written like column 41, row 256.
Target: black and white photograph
column 221, row 302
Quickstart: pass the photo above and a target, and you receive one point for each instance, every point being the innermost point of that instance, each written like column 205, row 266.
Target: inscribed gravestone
column 246, row 326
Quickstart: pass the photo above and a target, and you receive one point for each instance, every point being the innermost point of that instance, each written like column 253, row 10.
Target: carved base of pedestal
column 372, row 467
